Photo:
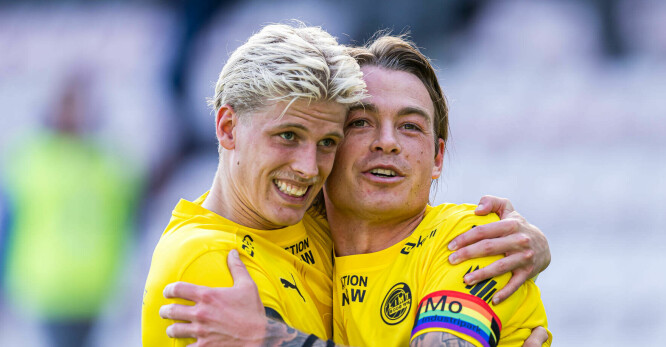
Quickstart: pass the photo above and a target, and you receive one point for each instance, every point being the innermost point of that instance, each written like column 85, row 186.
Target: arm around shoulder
column 230, row 316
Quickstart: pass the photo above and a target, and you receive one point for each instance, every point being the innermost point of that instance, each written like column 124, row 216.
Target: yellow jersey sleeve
column 198, row 271
column 211, row 270
column 447, row 304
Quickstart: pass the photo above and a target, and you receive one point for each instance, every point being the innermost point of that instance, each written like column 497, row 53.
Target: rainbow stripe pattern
column 460, row 312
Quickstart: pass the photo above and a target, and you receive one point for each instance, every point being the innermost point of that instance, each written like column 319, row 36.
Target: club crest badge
column 396, row 304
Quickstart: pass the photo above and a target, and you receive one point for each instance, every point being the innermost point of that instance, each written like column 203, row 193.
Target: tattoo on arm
column 280, row 334
column 439, row 339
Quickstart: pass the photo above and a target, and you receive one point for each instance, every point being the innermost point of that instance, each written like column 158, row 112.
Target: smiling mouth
column 290, row 189
column 383, row 172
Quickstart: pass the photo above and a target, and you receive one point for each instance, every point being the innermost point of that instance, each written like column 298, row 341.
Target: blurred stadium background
column 557, row 105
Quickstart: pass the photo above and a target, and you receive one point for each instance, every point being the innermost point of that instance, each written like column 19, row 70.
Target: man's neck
column 354, row 234
column 225, row 202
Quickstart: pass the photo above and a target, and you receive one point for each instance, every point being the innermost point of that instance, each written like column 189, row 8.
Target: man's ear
column 225, row 127
column 439, row 159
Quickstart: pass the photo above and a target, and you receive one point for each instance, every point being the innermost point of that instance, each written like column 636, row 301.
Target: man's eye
column 326, row 143
column 411, row 126
column 288, row 135
column 358, row 123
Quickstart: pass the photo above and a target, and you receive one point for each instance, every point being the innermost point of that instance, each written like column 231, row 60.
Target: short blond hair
column 288, row 63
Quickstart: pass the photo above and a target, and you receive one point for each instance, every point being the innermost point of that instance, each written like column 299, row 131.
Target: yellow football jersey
column 390, row 297
column 291, row 266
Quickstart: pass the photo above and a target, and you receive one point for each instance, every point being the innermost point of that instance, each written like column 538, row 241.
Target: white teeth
column 383, row 172
column 289, row 189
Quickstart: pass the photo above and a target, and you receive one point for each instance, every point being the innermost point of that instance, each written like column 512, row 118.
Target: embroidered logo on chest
column 396, row 304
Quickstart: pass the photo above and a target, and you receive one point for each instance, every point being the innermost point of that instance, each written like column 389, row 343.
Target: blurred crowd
column 556, row 105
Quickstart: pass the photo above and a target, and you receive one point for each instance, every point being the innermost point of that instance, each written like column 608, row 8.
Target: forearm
column 229, row 316
column 439, row 338
column 280, row 334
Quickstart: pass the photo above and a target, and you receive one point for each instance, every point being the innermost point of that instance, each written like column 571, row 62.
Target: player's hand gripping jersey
column 390, row 297
column 291, row 267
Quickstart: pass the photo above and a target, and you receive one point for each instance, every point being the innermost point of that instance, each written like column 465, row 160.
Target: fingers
column 490, row 203
column 178, row 312
column 183, row 290
column 497, row 268
column 238, row 270
column 490, row 244
column 518, row 278
column 537, row 338
column 486, row 204
column 243, row 283
column 486, row 231
column 181, row 330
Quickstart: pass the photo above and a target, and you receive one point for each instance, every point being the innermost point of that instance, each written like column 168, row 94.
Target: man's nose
column 386, row 140
column 305, row 161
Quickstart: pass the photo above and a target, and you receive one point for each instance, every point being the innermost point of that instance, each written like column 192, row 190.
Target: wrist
column 258, row 334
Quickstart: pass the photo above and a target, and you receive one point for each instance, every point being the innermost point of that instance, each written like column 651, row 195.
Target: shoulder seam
column 201, row 254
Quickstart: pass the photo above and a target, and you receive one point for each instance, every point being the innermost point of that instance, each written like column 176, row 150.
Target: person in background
column 70, row 206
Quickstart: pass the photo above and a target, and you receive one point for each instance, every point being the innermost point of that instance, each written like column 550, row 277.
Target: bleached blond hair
column 288, row 63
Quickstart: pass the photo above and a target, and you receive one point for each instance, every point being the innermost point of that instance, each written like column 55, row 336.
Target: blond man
column 280, row 104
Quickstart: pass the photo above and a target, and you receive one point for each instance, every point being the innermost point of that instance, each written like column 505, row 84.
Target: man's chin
column 285, row 217
column 388, row 207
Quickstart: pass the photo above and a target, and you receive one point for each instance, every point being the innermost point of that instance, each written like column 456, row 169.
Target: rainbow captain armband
column 460, row 312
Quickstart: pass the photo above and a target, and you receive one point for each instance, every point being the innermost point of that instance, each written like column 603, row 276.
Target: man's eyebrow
column 366, row 106
column 335, row 134
column 415, row 110
column 403, row 111
column 302, row 127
